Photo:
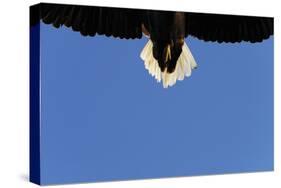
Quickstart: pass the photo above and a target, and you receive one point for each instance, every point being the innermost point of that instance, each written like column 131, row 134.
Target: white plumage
column 183, row 69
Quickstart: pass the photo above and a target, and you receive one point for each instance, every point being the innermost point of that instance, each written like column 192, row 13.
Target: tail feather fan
column 184, row 67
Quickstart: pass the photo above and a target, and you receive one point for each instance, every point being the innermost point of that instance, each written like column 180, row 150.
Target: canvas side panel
column 34, row 85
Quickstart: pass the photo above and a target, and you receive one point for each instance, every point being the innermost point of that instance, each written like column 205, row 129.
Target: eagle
column 166, row 55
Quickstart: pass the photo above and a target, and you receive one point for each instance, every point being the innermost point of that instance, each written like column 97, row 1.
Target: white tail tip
column 183, row 69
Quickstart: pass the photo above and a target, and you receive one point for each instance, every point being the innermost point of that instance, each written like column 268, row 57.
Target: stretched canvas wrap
column 123, row 94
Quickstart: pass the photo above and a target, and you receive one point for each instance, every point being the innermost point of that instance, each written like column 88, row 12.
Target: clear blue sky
column 105, row 118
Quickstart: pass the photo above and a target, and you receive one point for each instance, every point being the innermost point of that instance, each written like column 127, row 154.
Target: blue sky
column 103, row 117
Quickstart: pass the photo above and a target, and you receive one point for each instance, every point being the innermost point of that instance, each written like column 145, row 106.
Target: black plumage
column 167, row 29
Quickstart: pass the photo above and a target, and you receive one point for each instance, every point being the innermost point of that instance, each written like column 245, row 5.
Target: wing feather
column 228, row 28
column 89, row 20
column 126, row 23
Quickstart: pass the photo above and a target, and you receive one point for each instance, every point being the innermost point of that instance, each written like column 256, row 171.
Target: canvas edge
column 34, row 95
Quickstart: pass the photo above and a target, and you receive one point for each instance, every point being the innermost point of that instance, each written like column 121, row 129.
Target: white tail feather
column 184, row 66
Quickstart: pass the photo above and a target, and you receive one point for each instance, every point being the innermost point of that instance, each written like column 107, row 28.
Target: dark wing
column 228, row 28
column 88, row 20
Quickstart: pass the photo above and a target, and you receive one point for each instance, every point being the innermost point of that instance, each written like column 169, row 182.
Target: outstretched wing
column 88, row 20
column 228, row 28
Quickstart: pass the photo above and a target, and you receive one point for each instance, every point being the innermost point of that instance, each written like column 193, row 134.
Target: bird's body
column 163, row 56
column 166, row 55
column 166, row 31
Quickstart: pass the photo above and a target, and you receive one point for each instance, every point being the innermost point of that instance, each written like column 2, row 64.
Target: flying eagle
column 166, row 55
